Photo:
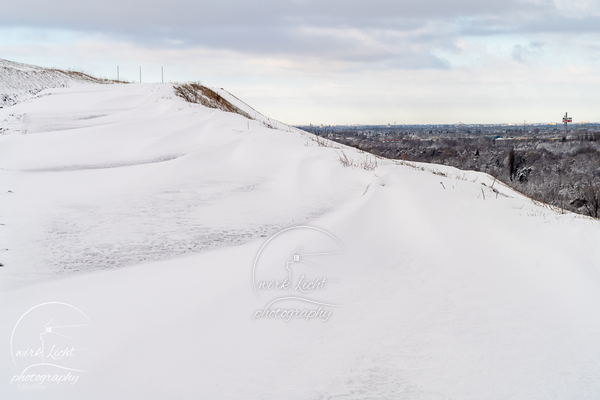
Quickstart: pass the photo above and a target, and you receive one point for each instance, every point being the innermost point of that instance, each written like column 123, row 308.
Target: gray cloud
column 176, row 13
column 524, row 54
column 526, row 24
column 397, row 33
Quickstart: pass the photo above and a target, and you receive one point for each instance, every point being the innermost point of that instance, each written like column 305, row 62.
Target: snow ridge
column 21, row 81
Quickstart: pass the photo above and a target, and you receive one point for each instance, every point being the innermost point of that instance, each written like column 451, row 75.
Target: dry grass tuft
column 368, row 163
column 86, row 77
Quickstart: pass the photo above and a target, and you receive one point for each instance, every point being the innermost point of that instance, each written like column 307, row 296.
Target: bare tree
column 591, row 195
column 512, row 164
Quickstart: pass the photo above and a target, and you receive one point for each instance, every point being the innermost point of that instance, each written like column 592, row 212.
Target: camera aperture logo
column 48, row 346
column 292, row 274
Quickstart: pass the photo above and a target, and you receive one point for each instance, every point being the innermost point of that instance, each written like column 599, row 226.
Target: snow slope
column 21, row 81
column 148, row 214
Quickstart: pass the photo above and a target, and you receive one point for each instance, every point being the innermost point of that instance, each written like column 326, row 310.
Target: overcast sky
column 335, row 62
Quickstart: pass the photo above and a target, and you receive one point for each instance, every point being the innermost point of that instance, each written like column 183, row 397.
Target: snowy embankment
column 450, row 286
column 21, row 81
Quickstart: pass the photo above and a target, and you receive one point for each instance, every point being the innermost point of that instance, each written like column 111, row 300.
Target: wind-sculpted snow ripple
column 106, row 165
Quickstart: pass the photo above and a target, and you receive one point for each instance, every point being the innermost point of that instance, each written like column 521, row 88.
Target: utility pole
column 162, row 75
column 117, row 73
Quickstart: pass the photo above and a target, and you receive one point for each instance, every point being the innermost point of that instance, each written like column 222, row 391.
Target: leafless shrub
column 368, row 163
column 344, row 160
column 321, row 142
column 410, row 164
column 269, row 124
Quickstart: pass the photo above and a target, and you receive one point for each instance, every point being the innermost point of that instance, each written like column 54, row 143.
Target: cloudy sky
column 333, row 61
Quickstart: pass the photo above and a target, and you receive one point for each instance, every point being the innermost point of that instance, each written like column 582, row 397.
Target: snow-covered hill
column 21, row 81
column 155, row 217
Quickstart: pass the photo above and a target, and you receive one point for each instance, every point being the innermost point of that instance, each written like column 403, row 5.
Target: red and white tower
column 566, row 120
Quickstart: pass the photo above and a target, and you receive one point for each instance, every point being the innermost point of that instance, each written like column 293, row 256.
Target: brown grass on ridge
column 199, row 94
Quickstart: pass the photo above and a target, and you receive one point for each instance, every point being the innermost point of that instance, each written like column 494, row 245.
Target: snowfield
column 150, row 215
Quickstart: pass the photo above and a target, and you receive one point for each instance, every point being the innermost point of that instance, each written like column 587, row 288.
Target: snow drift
column 147, row 213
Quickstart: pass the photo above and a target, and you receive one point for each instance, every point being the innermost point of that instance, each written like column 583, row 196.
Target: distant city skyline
column 332, row 62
